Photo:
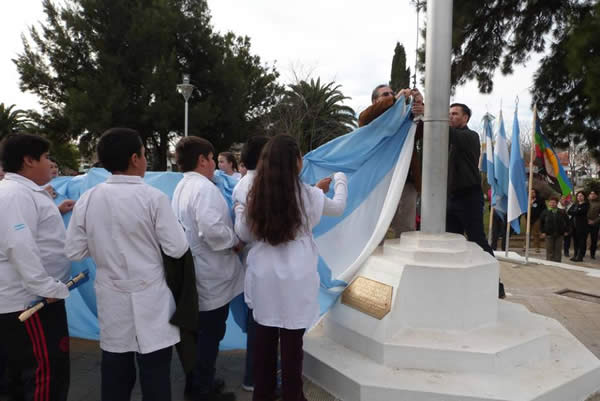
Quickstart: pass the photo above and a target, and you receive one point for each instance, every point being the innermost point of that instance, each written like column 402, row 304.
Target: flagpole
column 507, row 236
column 490, row 233
column 530, row 184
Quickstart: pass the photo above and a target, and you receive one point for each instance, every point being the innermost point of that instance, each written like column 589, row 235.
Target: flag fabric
column 517, row 187
column 487, row 154
column 501, row 163
column 375, row 158
column 547, row 164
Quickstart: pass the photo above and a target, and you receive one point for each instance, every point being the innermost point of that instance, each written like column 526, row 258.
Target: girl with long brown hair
column 282, row 283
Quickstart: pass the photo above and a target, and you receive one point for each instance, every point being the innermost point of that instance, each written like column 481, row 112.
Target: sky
column 350, row 42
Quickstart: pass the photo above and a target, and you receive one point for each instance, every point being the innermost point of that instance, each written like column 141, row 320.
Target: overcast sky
column 349, row 41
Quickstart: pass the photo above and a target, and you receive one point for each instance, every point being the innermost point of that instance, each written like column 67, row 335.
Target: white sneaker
column 247, row 388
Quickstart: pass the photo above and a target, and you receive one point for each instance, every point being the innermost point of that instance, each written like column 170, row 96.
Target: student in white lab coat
column 123, row 224
column 33, row 265
column 203, row 211
column 282, row 282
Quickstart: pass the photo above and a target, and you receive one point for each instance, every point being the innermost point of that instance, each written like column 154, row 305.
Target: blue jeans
column 211, row 330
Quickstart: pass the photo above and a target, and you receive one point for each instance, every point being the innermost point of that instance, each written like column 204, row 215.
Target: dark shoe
column 501, row 293
column 567, row 254
column 573, row 259
column 215, row 397
column 593, row 256
column 217, row 387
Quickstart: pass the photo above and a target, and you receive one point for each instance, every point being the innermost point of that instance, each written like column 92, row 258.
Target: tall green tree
column 400, row 75
column 95, row 64
column 497, row 35
column 12, row 120
column 313, row 113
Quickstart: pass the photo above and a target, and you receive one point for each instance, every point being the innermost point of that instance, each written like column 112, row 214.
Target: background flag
column 501, row 163
column 487, row 155
column 546, row 162
column 517, row 187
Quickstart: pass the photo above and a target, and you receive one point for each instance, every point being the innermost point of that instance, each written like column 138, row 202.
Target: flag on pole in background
column 517, row 187
column 546, row 162
column 501, row 163
column 487, row 155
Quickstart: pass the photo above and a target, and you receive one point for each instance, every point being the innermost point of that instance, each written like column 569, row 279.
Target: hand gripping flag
column 487, row 155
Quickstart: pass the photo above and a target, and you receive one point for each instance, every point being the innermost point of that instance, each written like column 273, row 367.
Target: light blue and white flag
column 517, row 188
column 501, row 163
column 487, row 155
column 376, row 158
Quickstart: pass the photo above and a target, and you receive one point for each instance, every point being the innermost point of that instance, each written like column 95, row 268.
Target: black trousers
column 593, row 232
column 580, row 237
column 119, row 373
column 37, row 354
column 211, row 330
column 498, row 231
column 464, row 215
column 265, row 363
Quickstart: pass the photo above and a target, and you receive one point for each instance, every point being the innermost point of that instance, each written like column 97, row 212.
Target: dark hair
column 374, row 94
column 251, row 151
column 189, row 149
column 116, row 146
column 466, row 110
column 231, row 159
column 15, row 147
column 553, row 197
column 581, row 192
column 275, row 209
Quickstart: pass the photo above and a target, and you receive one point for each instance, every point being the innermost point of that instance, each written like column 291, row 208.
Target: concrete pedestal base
column 447, row 336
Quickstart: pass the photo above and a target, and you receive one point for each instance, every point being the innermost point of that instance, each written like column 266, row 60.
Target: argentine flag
column 376, row 159
column 517, row 188
column 501, row 163
column 487, row 156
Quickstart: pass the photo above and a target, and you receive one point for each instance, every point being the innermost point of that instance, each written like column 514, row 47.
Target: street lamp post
column 186, row 89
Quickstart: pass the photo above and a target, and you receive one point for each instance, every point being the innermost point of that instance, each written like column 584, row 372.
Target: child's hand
column 323, row 184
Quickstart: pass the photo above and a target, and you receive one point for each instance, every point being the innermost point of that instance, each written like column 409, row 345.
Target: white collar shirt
column 32, row 259
column 123, row 224
column 206, row 218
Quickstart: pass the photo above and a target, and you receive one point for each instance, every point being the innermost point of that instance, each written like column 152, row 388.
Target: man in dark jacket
column 464, row 214
column 593, row 221
column 554, row 223
column 464, row 211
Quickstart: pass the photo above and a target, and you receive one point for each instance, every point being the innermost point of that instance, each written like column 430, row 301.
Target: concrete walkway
column 533, row 285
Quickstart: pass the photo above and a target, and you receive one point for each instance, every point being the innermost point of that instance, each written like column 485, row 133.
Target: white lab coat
column 32, row 259
column 206, row 218
column 123, row 224
column 282, row 282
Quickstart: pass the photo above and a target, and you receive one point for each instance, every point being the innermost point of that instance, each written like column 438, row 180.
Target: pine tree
column 400, row 76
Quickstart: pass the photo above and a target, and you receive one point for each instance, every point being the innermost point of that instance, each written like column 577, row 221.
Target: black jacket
column 579, row 212
column 463, row 161
column 537, row 208
column 554, row 223
column 181, row 279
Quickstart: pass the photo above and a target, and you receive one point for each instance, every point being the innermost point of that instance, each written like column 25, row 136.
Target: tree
column 493, row 35
column 400, row 75
column 12, row 120
column 96, row 64
column 313, row 113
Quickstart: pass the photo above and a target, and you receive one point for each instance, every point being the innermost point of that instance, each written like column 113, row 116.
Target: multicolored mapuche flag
column 546, row 162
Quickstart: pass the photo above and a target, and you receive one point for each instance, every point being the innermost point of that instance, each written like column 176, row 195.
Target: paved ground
column 534, row 286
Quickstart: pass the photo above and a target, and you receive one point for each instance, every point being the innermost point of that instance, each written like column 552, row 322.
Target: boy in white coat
column 206, row 218
column 123, row 224
column 33, row 265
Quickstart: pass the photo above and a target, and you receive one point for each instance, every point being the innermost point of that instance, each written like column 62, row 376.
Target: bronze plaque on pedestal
column 368, row 296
